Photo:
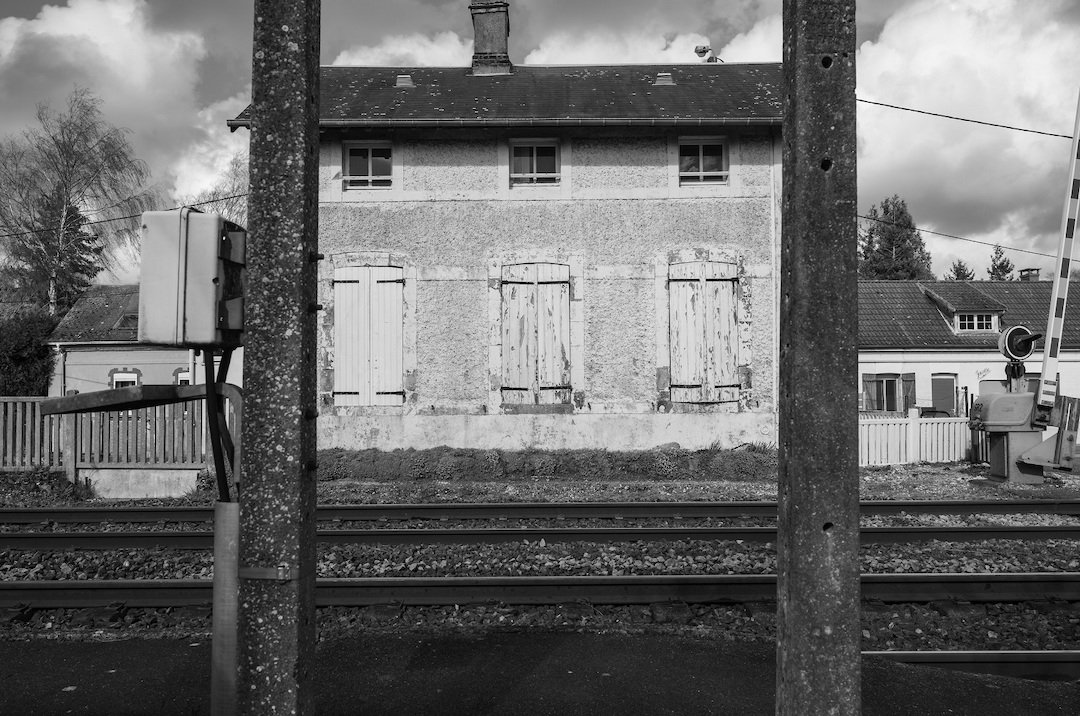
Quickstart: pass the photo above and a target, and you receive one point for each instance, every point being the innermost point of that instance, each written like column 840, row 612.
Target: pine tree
column 59, row 264
column 1001, row 268
column 890, row 247
column 959, row 271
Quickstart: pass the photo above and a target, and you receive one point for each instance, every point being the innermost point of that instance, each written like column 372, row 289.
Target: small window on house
column 534, row 162
column 888, row 391
column 367, row 166
column 975, row 321
column 702, row 161
column 535, row 334
column 369, row 335
column 124, row 380
column 703, row 320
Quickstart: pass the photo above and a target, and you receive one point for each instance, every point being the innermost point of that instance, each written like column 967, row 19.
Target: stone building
column 548, row 257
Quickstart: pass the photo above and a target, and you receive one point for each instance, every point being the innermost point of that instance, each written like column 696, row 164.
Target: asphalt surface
column 518, row 674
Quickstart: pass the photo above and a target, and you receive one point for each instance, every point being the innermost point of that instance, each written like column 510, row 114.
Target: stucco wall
column 621, row 217
column 88, row 368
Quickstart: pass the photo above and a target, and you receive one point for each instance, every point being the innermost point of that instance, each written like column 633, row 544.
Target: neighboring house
column 548, row 256
column 98, row 348
column 928, row 344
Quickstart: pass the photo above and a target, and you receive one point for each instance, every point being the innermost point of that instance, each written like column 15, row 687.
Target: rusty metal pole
column 277, row 487
column 818, row 655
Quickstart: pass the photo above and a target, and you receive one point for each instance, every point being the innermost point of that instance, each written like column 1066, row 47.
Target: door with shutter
column 536, row 334
column 368, row 335
column 703, row 301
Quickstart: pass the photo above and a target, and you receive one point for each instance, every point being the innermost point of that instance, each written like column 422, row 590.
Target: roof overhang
column 388, row 123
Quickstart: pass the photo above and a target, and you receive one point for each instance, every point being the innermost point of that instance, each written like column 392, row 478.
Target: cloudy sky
column 173, row 72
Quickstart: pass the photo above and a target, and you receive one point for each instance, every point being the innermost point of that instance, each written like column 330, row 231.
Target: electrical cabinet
column 191, row 290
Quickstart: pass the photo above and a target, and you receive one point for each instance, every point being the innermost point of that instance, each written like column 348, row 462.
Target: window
column 888, row 391
column 704, row 341
column 535, row 324
column 367, row 165
column 534, row 162
column 975, row 322
column 702, row 161
column 124, row 380
column 368, row 335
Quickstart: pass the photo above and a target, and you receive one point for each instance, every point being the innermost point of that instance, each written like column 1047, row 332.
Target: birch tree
column 73, row 166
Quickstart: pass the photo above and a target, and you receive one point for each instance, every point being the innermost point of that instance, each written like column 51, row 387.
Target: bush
column 26, row 359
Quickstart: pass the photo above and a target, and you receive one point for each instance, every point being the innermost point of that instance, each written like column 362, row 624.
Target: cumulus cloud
column 764, row 42
column 443, row 49
column 146, row 77
column 606, row 48
column 1003, row 61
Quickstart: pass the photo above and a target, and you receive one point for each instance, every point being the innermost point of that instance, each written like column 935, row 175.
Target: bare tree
column 74, row 163
column 229, row 195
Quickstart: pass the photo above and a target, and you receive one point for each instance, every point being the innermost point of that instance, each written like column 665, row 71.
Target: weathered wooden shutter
column 535, row 334
column 703, row 304
column 553, row 333
column 368, row 335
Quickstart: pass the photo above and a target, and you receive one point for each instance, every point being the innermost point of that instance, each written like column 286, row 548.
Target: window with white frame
column 975, row 322
column 703, row 300
column 369, row 335
column 535, row 324
column 124, row 380
column 702, row 161
column 367, row 165
column 888, row 391
column 534, row 162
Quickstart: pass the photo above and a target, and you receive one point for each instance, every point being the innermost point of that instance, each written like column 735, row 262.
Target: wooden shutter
column 553, row 333
column 687, row 332
column 703, row 304
column 368, row 335
column 535, row 334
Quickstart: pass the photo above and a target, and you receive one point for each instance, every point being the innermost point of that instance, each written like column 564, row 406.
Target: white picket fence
column 905, row 439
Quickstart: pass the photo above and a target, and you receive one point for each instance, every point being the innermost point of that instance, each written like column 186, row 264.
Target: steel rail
column 627, row 589
column 493, row 535
column 536, row 510
column 1061, row 665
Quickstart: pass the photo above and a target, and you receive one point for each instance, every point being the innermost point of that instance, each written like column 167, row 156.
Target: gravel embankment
column 937, row 626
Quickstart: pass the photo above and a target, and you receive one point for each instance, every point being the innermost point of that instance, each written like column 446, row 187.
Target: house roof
column 705, row 94
column 95, row 316
column 918, row 314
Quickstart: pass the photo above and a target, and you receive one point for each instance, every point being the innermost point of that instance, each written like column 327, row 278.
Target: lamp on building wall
column 702, row 50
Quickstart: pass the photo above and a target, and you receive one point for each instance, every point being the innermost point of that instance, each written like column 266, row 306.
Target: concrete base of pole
column 223, row 674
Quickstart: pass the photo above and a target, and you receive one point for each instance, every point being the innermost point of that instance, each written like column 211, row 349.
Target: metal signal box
column 1002, row 412
column 191, row 291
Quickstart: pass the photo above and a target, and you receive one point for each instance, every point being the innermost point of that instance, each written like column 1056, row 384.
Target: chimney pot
column 491, row 32
column 1029, row 274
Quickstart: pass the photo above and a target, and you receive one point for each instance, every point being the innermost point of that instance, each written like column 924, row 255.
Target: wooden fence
column 166, row 436
column 174, row 436
column 896, row 440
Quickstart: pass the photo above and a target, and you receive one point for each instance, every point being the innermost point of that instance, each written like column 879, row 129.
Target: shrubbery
column 26, row 359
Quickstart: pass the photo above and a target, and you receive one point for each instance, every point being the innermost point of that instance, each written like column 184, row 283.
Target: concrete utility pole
column 818, row 628
column 277, row 487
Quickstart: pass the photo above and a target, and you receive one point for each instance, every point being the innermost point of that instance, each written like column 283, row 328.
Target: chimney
column 1029, row 274
column 491, row 28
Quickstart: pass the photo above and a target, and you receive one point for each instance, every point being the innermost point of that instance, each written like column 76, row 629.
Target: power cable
column 964, row 119
column 953, row 236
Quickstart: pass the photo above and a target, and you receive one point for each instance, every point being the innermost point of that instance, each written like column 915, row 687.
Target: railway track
column 536, row 510
column 1061, row 665
column 204, row 539
column 628, row 589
